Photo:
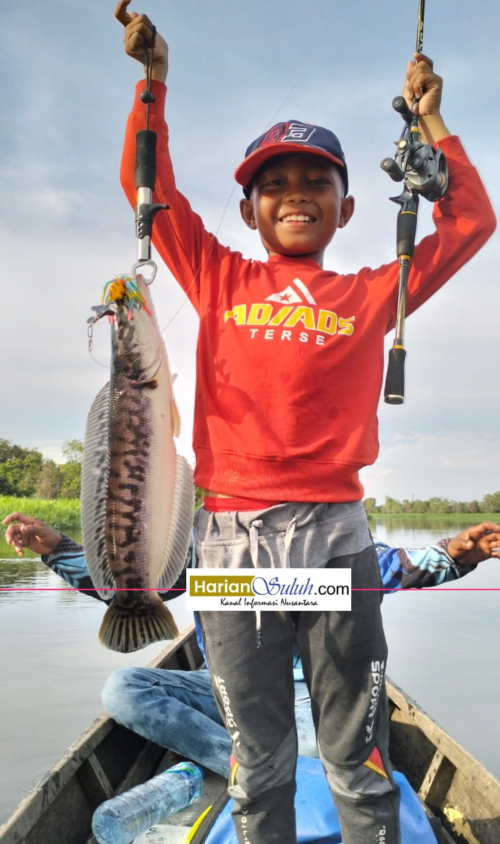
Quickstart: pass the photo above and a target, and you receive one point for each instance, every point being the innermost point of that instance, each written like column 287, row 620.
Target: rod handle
column 394, row 390
column 145, row 159
column 405, row 233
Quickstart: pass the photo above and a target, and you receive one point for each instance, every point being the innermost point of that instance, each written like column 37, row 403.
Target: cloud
column 457, row 466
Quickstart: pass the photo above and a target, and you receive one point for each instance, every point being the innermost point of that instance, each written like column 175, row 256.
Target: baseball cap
column 292, row 136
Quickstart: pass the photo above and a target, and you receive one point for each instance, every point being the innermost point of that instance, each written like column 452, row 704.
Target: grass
column 464, row 518
column 61, row 514
column 64, row 514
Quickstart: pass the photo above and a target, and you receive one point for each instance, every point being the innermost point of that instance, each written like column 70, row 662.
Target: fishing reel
column 422, row 168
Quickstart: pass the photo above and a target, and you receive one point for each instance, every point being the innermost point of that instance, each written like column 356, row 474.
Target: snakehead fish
column 137, row 492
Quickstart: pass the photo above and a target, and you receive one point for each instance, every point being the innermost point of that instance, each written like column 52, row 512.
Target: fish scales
column 137, row 493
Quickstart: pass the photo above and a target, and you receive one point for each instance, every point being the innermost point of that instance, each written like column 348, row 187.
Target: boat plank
column 94, row 781
column 151, row 761
column 437, row 781
column 69, row 821
column 468, row 812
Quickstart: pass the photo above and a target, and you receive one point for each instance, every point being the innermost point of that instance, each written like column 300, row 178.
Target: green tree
column 20, row 469
column 370, row 505
column 71, row 471
column 73, row 451
column 392, row 506
column 419, row 506
column 472, row 507
column 491, row 503
column 49, row 481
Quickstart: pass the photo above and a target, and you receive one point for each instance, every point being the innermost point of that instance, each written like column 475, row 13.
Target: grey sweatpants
column 344, row 656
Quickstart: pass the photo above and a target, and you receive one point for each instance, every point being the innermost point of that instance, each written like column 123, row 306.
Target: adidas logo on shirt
column 290, row 296
column 282, row 312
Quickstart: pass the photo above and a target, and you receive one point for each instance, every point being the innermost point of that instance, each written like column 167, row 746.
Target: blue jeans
column 177, row 710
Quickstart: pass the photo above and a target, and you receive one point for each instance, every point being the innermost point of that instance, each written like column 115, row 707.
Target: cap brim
column 248, row 168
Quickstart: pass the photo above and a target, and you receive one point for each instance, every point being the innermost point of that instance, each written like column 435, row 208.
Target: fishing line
column 214, row 236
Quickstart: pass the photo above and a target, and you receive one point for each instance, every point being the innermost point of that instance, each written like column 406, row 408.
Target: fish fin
column 95, row 472
column 180, row 527
column 125, row 629
column 175, row 418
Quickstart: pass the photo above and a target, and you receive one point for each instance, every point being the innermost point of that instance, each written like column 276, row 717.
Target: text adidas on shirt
column 281, row 312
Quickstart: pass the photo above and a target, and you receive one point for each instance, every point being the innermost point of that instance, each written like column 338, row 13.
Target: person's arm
column 68, row 561
column 443, row 562
column 188, row 250
column 418, row 568
column 63, row 555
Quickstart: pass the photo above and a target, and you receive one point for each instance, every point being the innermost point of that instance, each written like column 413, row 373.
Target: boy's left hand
column 421, row 82
column 475, row 544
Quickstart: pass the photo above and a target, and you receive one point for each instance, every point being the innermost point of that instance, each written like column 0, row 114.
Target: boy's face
column 297, row 205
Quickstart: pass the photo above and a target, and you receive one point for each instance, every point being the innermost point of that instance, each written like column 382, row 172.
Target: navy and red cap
column 292, row 136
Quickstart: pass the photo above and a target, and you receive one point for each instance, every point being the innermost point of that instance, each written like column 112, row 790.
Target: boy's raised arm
column 188, row 250
column 464, row 218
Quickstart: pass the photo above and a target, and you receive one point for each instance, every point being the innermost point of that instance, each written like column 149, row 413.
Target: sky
column 235, row 69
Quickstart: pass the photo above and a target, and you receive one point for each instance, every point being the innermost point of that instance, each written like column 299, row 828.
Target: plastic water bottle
column 123, row 818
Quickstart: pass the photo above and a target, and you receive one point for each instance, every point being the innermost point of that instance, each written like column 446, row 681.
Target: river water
column 443, row 651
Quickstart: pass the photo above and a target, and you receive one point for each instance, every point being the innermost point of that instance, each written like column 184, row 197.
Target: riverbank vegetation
column 490, row 505
column 25, row 473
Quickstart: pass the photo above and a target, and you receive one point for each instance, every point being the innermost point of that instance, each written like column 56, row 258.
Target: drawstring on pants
column 254, row 554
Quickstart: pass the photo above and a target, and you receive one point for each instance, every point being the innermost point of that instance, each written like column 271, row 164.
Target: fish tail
column 126, row 629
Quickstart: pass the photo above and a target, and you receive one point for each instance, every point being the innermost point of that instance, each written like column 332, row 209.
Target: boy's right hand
column 138, row 35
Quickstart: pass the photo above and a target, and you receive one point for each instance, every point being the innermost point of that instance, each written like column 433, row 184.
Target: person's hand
column 138, row 36
column 476, row 544
column 421, row 82
column 30, row 533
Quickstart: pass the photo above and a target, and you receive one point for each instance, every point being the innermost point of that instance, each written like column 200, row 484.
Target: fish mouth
column 102, row 311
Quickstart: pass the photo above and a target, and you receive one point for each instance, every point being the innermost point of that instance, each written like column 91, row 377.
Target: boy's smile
column 297, row 205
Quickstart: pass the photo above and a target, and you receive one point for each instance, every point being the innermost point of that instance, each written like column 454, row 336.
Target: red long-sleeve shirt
column 290, row 356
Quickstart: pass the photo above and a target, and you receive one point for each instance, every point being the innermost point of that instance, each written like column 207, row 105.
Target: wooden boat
column 107, row 759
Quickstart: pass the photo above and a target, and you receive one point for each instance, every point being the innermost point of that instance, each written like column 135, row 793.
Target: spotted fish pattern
column 137, row 493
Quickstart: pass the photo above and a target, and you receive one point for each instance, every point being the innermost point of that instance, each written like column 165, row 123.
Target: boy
column 289, row 372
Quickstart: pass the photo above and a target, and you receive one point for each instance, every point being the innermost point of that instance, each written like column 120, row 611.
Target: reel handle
column 400, row 105
column 392, row 168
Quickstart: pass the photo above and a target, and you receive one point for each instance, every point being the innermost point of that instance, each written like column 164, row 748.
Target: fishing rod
column 146, row 209
column 424, row 171
column 145, row 178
